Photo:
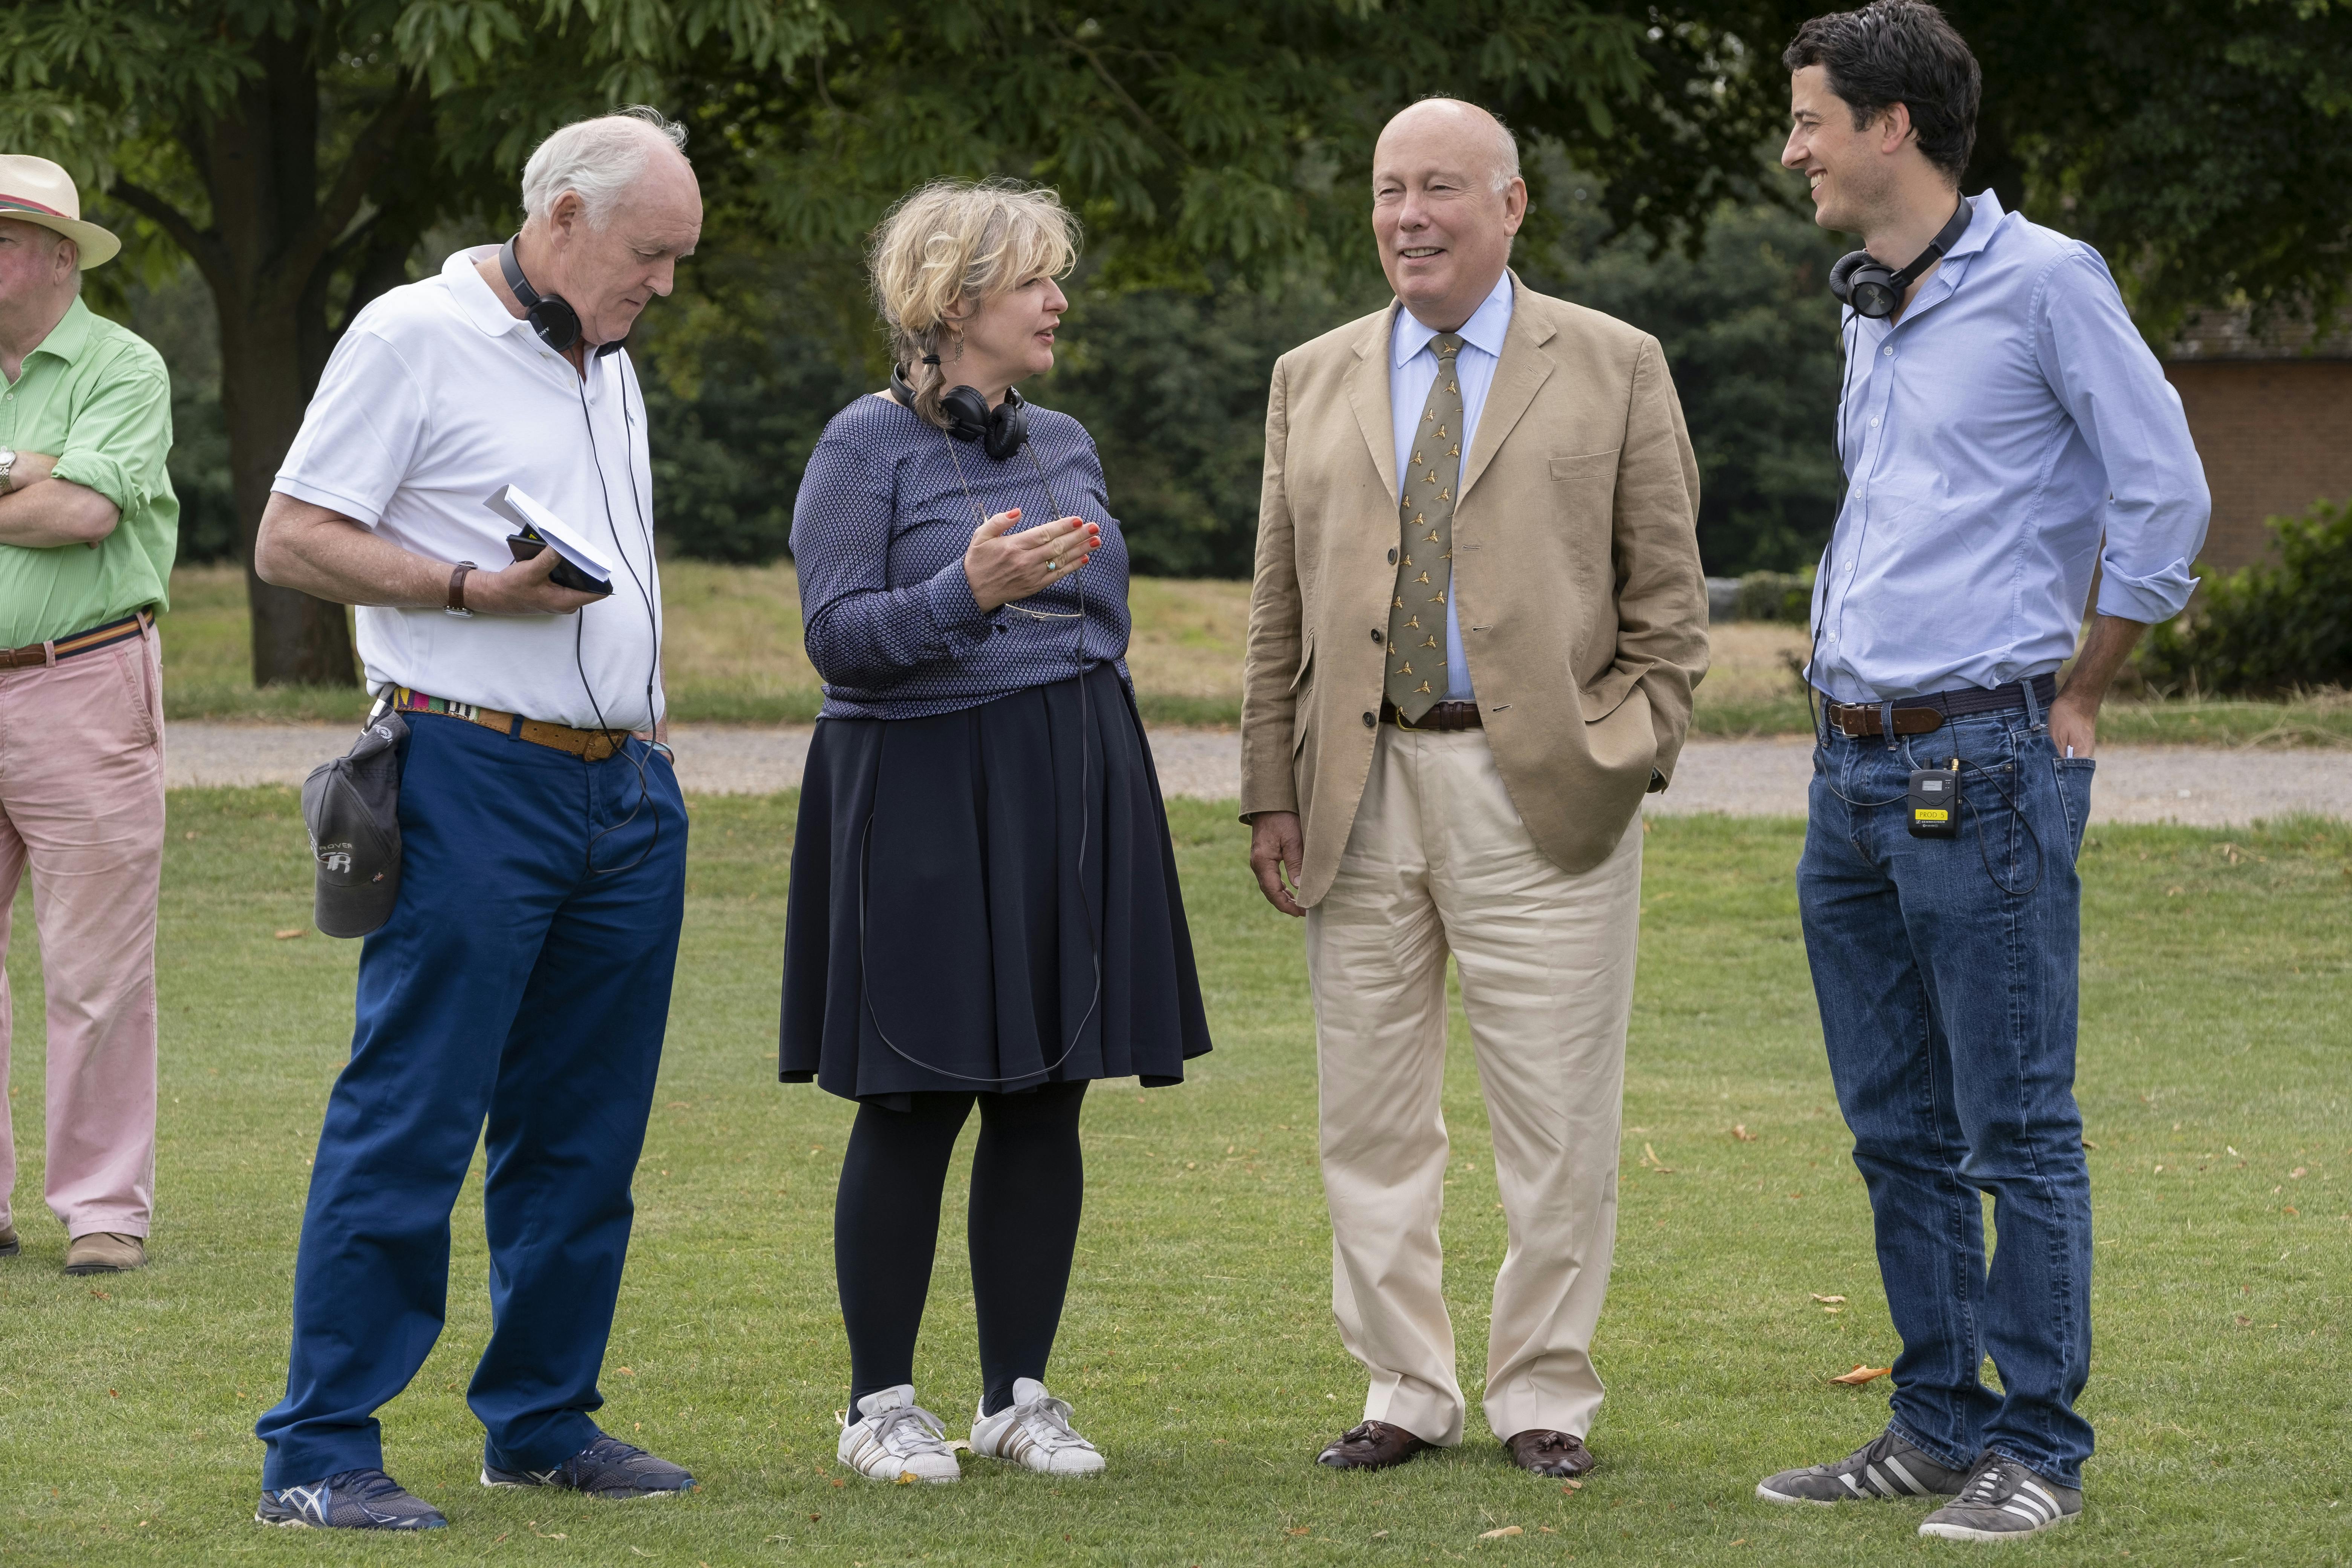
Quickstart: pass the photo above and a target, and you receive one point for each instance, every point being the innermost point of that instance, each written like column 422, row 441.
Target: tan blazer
column 1575, row 576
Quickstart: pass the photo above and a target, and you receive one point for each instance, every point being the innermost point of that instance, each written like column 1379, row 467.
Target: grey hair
column 596, row 160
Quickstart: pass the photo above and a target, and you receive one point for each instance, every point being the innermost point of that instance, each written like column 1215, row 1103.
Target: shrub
column 2270, row 628
column 1775, row 596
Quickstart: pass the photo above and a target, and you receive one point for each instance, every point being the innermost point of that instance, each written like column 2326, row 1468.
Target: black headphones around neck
column 1866, row 284
column 555, row 321
column 1001, row 431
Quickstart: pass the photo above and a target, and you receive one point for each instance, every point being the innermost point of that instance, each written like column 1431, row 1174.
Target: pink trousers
column 82, row 801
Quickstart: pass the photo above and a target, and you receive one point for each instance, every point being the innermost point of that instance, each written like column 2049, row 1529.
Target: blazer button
column 1392, row 557
column 1371, row 722
column 1376, row 633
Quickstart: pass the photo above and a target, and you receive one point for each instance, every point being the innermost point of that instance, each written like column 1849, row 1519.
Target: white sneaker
column 1034, row 1430
column 894, row 1439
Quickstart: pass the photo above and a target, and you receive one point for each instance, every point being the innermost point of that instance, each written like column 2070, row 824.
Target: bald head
column 1447, row 200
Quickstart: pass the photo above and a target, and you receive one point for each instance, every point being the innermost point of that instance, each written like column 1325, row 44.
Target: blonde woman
column 983, row 906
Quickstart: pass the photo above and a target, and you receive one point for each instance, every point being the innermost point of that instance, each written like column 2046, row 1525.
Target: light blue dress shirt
column 2008, row 435
column 1412, row 371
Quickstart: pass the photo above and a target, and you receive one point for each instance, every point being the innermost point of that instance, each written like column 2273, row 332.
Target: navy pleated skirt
column 986, row 900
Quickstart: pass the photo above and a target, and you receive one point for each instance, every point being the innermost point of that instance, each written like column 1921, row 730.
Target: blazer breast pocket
column 1586, row 466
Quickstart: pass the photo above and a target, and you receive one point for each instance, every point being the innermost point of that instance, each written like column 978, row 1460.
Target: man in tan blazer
column 1477, row 619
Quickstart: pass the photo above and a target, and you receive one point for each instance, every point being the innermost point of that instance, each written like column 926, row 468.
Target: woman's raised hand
column 1003, row 566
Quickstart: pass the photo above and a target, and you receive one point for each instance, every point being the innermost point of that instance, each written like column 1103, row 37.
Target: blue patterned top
column 895, row 630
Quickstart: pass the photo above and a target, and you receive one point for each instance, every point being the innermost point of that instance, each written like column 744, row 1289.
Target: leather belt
column 588, row 745
column 1922, row 715
column 1441, row 716
column 91, row 641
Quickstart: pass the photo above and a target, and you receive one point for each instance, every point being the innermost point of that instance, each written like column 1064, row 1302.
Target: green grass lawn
column 733, row 656
column 1198, row 1347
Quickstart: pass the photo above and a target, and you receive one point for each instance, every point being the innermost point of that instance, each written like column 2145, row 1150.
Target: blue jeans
column 509, row 985
column 1946, row 974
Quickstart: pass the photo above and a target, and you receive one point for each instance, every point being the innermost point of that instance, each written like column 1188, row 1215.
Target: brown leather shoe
column 1551, row 1453
column 9, row 1244
column 105, row 1252
column 1374, row 1445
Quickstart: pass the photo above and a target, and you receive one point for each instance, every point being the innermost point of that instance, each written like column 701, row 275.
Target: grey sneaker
column 2003, row 1501
column 1885, row 1466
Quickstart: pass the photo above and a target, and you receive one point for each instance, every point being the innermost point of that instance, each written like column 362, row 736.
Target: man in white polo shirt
column 523, row 977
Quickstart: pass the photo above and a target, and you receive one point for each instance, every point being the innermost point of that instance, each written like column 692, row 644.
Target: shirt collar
column 482, row 307
column 70, row 336
column 1484, row 329
column 1978, row 233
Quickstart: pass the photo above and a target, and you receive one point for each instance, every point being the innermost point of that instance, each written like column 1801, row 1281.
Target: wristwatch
column 456, row 605
column 8, row 470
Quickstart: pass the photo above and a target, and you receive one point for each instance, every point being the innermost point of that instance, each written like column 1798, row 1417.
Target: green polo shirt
column 96, row 397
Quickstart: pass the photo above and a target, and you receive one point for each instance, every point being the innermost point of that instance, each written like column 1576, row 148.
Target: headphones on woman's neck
column 1865, row 283
column 555, row 321
column 1001, row 431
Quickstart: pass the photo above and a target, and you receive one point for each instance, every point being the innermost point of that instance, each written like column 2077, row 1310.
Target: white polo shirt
column 436, row 396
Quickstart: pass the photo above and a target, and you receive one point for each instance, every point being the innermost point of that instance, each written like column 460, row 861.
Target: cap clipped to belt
column 352, row 807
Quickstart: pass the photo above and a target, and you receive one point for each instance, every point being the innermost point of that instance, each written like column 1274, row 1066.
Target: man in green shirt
column 88, row 528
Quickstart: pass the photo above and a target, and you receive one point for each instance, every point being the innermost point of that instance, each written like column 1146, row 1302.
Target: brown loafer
column 1551, row 1453
column 1374, row 1445
column 105, row 1252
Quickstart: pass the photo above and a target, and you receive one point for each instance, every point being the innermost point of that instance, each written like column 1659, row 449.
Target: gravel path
column 2199, row 786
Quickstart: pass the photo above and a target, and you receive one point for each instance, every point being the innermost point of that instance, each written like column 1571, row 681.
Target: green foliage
column 1775, row 596
column 2275, row 626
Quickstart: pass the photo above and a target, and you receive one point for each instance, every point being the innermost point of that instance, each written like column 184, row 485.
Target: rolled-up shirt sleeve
column 860, row 631
column 119, row 439
column 2158, row 502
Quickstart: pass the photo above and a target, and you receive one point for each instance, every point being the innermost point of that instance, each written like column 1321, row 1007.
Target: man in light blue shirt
column 2006, row 437
column 1412, row 371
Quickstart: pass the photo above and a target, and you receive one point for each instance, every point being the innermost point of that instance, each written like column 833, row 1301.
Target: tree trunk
column 259, row 162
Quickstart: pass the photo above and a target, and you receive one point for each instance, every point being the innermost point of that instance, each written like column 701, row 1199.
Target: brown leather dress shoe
column 105, row 1252
column 1374, row 1445
column 1551, row 1453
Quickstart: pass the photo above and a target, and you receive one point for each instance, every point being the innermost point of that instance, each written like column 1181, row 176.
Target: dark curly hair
column 1899, row 52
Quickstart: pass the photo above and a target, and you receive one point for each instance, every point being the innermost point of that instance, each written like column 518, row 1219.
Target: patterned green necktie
column 1416, row 678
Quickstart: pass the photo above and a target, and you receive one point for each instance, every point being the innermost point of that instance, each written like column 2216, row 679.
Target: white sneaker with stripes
column 1889, row 1466
column 896, row 1440
column 1034, row 1431
column 2003, row 1501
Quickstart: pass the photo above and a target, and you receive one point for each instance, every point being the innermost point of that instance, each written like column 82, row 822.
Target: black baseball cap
column 352, row 807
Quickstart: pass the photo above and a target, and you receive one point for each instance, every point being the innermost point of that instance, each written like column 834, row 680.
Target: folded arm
column 328, row 556
column 41, row 510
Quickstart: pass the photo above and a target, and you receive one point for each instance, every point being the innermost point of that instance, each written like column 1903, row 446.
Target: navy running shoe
column 349, row 1500
column 606, row 1468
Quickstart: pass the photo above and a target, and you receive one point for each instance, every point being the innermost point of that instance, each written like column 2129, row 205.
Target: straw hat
column 34, row 190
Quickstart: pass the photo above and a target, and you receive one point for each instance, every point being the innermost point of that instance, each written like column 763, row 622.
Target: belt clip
column 2033, row 703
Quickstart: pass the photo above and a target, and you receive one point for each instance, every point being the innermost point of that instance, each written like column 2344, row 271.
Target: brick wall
column 2275, row 435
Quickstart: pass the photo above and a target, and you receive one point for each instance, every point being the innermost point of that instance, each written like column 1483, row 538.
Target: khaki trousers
column 81, row 803
column 1438, row 862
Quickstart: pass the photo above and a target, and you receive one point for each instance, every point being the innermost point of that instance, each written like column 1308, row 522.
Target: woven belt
column 1922, row 715
column 588, row 745
column 1441, row 716
column 91, row 641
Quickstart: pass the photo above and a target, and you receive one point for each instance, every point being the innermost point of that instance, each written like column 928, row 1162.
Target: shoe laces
column 1047, row 1419
column 1990, row 1484
column 910, row 1429
column 363, row 1485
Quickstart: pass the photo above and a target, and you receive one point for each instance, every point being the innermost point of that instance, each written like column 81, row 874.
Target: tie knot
column 1448, row 347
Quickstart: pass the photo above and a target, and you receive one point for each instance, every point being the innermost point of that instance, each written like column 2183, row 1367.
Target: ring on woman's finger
column 1052, row 564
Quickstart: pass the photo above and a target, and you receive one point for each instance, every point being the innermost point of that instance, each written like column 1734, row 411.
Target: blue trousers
column 1946, row 974
column 514, row 986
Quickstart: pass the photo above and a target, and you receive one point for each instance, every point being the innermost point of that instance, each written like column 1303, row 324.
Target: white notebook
column 512, row 503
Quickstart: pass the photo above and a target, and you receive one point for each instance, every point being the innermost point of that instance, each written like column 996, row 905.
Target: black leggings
column 1027, row 1182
